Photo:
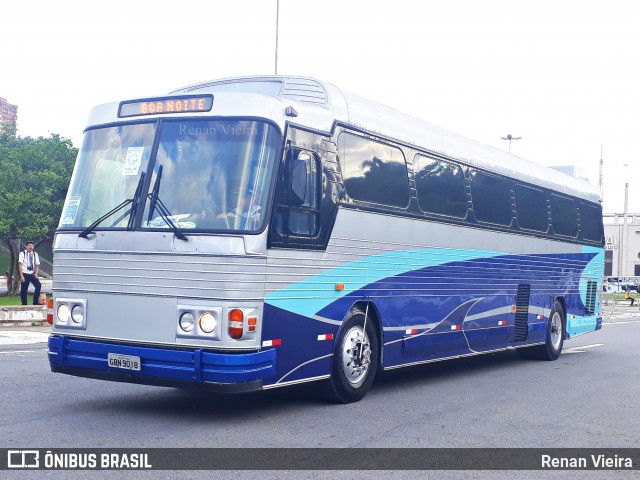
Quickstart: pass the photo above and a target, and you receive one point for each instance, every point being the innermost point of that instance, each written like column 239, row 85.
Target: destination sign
column 154, row 106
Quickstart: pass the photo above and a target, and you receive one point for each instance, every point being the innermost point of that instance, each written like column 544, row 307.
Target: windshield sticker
column 70, row 210
column 133, row 161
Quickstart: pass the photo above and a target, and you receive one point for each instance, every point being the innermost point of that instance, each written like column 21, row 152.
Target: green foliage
column 34, row 176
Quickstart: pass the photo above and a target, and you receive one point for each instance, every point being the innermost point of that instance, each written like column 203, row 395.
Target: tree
column 34, row 176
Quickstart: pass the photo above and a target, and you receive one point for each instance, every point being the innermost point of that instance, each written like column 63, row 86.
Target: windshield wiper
column 135, row 202
column 156, row 203
column 154, row 194
column 131, row 212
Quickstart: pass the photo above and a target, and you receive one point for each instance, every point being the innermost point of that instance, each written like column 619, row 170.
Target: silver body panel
column 135, row 282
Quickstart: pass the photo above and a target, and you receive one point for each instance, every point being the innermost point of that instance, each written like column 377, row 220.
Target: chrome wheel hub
column 556, row 330
column 356, row 355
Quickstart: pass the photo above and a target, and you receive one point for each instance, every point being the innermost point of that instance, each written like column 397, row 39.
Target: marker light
column 187, row 321
column 207, row 322
column 236, row 320
column 252, row 322
column 63, row 313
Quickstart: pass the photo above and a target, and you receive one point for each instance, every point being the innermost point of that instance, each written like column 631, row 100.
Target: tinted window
column 591, row 222
column 440, row 187
column 491, row 198
column 303, row 220
column 292, row 217
column 372, row 171
column 564, row 216
column 531, row 208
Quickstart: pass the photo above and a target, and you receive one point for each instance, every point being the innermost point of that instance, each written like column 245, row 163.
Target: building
column 622, row 244
column 8, row 114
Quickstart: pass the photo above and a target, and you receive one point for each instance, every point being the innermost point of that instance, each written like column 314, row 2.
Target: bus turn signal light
column 50, row 311
column 236, row 323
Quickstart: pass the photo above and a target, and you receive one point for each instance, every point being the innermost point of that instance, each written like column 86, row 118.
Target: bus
column 251, row 233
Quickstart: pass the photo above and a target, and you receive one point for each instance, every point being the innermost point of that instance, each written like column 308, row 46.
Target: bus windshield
column 205, row 175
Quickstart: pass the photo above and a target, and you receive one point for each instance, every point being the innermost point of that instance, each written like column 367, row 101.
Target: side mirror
column 298, row 178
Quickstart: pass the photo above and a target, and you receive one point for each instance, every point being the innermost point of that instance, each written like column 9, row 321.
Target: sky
column 562, row 74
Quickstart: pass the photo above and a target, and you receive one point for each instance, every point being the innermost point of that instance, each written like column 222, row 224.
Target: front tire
column 356, row 357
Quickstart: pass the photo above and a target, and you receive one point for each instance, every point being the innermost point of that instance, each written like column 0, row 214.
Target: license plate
column 126, row 362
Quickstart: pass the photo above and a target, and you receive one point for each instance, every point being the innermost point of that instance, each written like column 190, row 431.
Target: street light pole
column 625, row 229
column 277, row 22
column 510, row 137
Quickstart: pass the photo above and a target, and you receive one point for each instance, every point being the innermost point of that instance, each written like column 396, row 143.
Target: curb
column 23, row 315
column 18, row 323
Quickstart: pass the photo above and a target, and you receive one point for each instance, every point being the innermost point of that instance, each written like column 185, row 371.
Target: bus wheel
column 356, row 357
column 554, row 339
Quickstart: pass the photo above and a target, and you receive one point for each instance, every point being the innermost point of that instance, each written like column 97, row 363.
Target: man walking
column 28, row 266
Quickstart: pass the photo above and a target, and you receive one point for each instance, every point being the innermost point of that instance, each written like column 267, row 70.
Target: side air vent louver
column 590, row 304
column 303, row 90
column 522, row 312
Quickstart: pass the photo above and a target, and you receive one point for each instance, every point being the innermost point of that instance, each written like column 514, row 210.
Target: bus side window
column 564, row 216
column 532, row 210
column 492, row 198
column 591, row 223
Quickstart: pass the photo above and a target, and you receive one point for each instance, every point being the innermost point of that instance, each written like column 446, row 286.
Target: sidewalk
column 620, row 309
column 25, row 315
column 621, row 303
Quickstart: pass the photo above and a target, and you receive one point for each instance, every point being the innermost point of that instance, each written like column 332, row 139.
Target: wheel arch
column 373, row 314
column 563, row 303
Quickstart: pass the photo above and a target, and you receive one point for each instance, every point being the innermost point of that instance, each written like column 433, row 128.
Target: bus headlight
column 77, row 314
column 70, row 313
column 207, row 322
column 63, row 313
column 187, row 321
column 199, row 322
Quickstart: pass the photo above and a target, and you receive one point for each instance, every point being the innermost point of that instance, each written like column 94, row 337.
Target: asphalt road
column 587, row 398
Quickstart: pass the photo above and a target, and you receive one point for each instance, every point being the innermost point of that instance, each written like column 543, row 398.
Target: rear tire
column 355, row 360
column 554, row 338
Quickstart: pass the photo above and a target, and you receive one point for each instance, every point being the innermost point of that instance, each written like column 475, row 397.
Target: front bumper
column 178, row 367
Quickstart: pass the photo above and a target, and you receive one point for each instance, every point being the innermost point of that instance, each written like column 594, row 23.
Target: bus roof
column 321, row 104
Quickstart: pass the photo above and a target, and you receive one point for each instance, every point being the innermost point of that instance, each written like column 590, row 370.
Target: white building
column 622, row 244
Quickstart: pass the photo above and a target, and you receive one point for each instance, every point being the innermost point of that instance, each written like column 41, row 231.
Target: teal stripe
column 314, row 293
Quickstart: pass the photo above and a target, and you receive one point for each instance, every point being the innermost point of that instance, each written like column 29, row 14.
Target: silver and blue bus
column 251, row 233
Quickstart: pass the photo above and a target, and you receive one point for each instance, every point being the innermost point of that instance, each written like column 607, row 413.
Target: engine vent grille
column 590, row 304
column 304, row 90
column 522, row 312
